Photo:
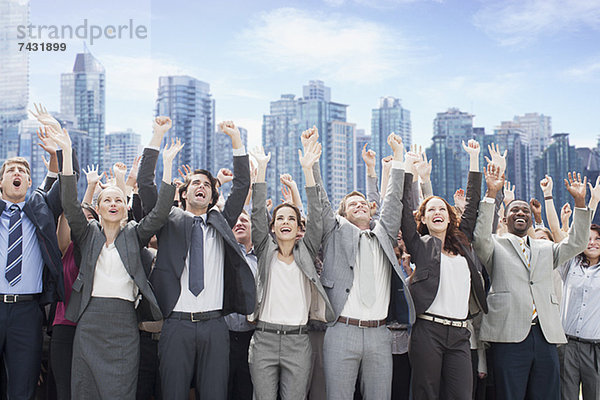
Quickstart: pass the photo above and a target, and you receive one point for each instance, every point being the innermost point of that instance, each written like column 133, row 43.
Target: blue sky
column 495, row 59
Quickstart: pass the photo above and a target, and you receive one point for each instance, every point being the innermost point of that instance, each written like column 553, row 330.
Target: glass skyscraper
column 82, row 99
column 122, row 146
column 387, row 118
column 14, row 75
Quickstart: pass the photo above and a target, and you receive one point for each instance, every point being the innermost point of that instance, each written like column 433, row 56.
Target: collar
column 10, row 204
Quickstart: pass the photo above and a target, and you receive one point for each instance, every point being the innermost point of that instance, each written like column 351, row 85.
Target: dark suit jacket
column 174, row 241
column 426, row 250
column 129, row 242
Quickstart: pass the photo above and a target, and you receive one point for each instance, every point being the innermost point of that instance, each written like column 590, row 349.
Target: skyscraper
column 192, row 109
column 387, row 118
column 361, row 170
column 14, row 75
column 450, row 172
column 122, row 146
column 513, row 139
column 280, row 137
column 29, row 149
column 82, row 99
column 557, row 160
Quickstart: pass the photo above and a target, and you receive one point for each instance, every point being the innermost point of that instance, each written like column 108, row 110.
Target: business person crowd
column 179, row 293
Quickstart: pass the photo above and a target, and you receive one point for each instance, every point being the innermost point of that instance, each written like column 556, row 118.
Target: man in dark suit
column 31, row 273
column 200, row 275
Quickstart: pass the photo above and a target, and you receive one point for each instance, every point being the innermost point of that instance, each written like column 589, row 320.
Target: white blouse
column 111, row 278
column 452, row 298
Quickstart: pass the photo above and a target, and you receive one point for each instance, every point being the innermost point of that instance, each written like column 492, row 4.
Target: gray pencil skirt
column 106, row 351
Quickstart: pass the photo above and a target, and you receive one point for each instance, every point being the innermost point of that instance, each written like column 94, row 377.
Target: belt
column 444, row 321
column 361, row 323
column 281, row 329
column 588, row 341
column 152, row 335
column 196, row 316
column 17, row 298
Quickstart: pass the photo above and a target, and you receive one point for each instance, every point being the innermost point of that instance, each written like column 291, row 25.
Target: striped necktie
column 14, row 255
column 527, row 254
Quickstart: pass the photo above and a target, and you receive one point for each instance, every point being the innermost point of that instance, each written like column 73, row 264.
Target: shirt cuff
column 490, row 200
column 51, row 174
column 152, row 147
column 239, row 152
column 397, row 164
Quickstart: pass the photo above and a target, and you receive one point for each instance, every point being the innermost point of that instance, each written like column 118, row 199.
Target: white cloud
column 520, row 22
column 585, row 72
column 381, row 4
column 333, row 47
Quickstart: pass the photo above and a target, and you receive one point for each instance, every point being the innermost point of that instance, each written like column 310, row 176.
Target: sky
column 494, row 59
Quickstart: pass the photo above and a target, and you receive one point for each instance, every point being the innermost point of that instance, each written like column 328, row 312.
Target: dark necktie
column 14, row 255
column 196, row 264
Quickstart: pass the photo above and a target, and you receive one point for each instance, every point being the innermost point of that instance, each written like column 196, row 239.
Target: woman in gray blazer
column 110, row 283
column 288, row 289
column 447, row 288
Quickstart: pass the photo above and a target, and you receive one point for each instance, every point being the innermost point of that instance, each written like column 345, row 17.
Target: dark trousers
column 528, row 369
column 401, row 377
column 240, row 383
column 61, row 354
column 440, row 358
column 194, row 351
column 21, row 346
column 148, row 385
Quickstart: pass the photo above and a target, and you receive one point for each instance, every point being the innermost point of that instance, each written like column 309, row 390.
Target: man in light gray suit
column 523, row 322
column 358, row 265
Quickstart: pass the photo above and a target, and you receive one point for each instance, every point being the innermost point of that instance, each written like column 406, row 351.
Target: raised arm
column 241, row 175
column 578, row 236
column 546, row 185
column 147, row 187
column 469, row 215
column 259, row 217
column 391, row 209
column 424, row 170
column 594, row 197
column 290, row 190
column 93, row 179
column 158, row 216
column 68, row 181
column 373, row 196
column 314, row 223
column 483, row 243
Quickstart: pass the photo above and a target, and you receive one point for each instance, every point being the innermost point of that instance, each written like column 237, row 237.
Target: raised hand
column 61, row 138
column 536, row 208
column 576, row 188
column 287, row 180
column 311, row 155
column 229, row 128
column 170, row 151
column 224, row 175
column 595, row 192
column 184, row 171
column 368, row 157
column 497, row 158
column 287, row 195
column 91, row 174
column 411, row 159
column 472, row 148
column 460, row 200
column 546, row 186
column 309, row 135
column 395, row 142
column 565, row 214
column 132, row 177
column 161, row 125
column 44, row 117
column 423, row 167
column 509, row 193
column 46, row 141
column 120, row 169
column 259, row 155
column 269, row 205
column 493, row 179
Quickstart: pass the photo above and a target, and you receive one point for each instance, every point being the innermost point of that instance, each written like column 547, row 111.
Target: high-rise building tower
column 280, row 136
column 361, row 170
column 14, row 75
column 387, row 118
column 189, row 104
column 122, row 147
column 82, row 99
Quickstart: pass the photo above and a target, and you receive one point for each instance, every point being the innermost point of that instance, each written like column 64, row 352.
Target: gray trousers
column 579, row 364
column 349, row 349
column 279, row 363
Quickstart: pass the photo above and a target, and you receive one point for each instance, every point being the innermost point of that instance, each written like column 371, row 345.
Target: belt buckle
column 446, row 322
column 192, row 317
column 360, row 321
column 10, row 298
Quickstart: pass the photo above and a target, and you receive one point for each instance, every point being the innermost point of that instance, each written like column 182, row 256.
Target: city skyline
column 414, row 51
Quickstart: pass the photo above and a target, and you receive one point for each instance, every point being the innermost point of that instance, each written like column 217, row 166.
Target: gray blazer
column 515, row 287
column 90, row 238
column 340, row 243
column 305, row 251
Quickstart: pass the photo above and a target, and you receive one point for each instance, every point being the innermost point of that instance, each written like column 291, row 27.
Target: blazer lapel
column 535, row 250
column 122, row 246
column 514, row 241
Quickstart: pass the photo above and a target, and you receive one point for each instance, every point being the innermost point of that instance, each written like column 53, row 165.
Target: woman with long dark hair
column 447, row 287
